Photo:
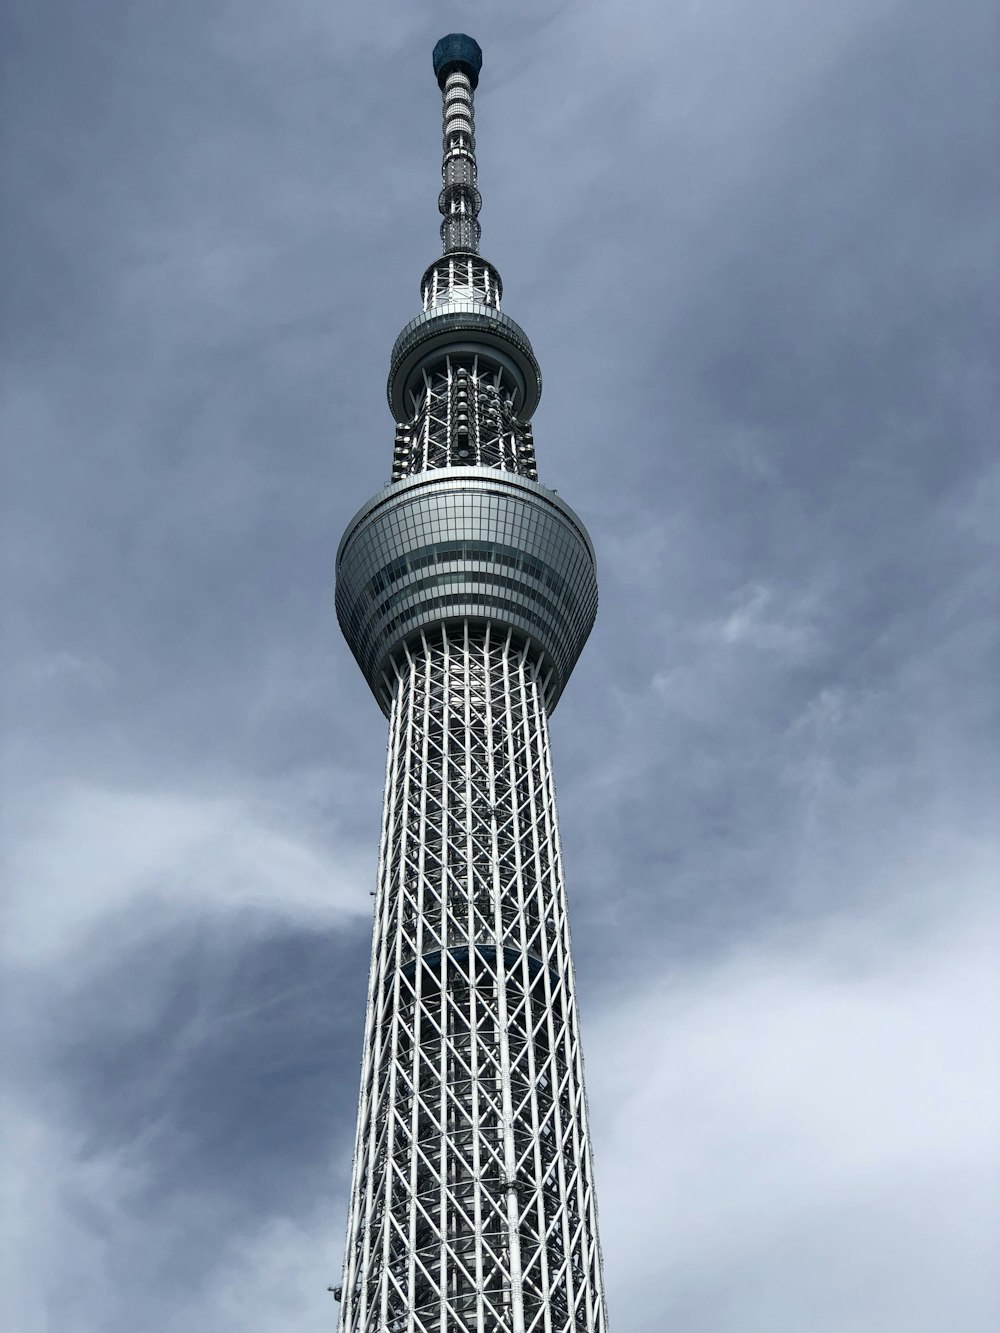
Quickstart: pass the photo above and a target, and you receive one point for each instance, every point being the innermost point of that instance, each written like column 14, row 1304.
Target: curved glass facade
column 469, row 544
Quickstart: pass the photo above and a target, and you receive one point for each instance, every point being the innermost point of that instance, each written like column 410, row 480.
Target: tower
column 466, row 590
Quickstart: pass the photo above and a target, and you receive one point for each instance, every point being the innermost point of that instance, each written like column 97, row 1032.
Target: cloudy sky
column 755, row 248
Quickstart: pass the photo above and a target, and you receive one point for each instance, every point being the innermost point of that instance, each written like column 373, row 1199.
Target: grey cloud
column 755, row 252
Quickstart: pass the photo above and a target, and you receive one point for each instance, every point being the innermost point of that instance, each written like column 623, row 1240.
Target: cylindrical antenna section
column 457, row 62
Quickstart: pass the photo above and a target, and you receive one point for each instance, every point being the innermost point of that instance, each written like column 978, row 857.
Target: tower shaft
column 473, row 1206
column 466, row 591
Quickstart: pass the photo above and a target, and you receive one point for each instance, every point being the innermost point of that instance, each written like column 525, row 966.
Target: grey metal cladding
column 466, row 544
column 461, row 325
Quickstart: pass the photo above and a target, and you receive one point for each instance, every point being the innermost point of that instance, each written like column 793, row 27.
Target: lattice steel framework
column 472, row 1202
column 464, row 418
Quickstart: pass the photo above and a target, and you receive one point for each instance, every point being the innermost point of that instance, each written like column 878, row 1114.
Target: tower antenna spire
column 457, row 62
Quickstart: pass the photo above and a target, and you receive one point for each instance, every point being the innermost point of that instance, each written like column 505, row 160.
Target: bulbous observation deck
column 472, row 544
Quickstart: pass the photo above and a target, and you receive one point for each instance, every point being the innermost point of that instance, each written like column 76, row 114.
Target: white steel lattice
column 472, row 1206
column 464, row 419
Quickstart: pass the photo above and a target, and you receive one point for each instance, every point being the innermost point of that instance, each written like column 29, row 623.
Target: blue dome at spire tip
column 459, row 52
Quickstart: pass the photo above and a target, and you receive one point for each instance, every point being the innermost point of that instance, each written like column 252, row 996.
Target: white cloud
column 57, row 1207
column 81, row 1240
column 758, row 623
column 805, row 1136
column 277, row 1281
column 93, row 1231
column 90, row 855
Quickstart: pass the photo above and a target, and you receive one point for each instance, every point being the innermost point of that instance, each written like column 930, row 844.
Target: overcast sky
column 755, row 247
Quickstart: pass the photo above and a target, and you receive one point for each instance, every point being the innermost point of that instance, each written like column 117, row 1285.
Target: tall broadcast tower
column 466, row 590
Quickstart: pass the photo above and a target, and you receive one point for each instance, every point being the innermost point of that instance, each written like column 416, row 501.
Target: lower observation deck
column 474, row 544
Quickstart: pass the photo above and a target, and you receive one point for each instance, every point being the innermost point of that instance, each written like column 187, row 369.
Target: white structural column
column 472, row 1206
